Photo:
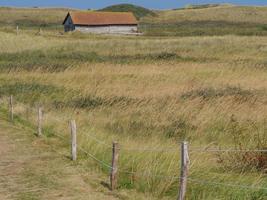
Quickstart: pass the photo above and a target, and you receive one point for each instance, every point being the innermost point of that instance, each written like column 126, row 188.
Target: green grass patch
column 32, row 92
column 212, row 93
column 203, row 28
column 52, row 60
column 60, row 59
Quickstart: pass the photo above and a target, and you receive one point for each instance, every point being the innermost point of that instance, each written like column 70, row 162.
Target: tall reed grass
column 148, row 94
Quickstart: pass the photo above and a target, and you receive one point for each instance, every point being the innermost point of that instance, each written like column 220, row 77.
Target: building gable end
column 67, row 18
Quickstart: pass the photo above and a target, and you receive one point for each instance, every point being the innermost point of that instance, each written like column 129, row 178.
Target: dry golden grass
column 37, row 15
column 228, row 13
column 148, row 93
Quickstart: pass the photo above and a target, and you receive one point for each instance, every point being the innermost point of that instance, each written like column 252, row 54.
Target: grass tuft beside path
column 32, row 169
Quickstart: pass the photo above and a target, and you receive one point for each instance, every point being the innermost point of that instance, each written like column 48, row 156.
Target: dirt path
column 30, row 170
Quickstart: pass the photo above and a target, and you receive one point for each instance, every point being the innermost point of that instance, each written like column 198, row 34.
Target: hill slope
column 226, row 13
column 138, row 11
column 32, row 17
column 220, row 20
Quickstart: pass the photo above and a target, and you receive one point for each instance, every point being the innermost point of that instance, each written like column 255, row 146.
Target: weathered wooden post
column 184, row 170
column 11, row 109
column 73, row 140
column 17, row 30
column 40, row 119
column 40, row 31
column 114, row 164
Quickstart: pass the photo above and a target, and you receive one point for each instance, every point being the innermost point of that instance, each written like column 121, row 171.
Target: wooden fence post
column 40, row 119
column 17, row 30
column 73, row 140
column 11, row 109
column 184, row 170
column 114, row 169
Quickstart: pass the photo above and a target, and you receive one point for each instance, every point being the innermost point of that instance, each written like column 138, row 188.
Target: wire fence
column 195, row 149
column 194, row 180
column 171, row 149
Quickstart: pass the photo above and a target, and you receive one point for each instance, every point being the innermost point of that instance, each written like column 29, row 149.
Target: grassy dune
column 32, row 18
column 219, row 13
column 220, row 20
column 149, row 93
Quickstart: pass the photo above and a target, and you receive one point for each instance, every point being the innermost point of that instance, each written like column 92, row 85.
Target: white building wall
column 108, row 29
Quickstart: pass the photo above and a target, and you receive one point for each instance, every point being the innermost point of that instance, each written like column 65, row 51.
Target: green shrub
column 240, row 133
column 138, row 11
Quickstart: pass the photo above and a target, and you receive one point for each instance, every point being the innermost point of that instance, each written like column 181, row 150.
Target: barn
column 101, row 22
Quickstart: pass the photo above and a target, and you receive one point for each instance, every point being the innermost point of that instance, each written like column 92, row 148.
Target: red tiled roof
column 102, row 18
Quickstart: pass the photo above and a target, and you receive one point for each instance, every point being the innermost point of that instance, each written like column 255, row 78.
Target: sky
column 96, row 4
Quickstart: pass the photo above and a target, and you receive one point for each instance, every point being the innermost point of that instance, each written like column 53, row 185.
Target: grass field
column 150, row 93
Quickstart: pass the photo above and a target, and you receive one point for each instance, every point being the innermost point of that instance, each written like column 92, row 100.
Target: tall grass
column 148, row 93
column 150, row 164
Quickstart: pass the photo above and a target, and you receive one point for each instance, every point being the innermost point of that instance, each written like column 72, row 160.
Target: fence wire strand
column 200, row 181
column 200, row 150
column 131, row 149
column 95, row 158
column 228, row 150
